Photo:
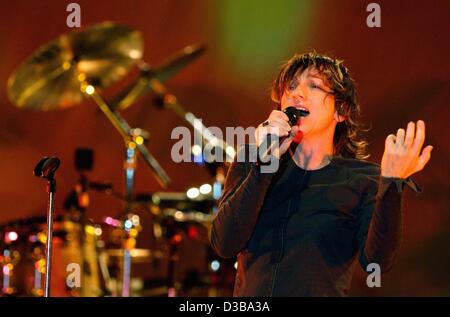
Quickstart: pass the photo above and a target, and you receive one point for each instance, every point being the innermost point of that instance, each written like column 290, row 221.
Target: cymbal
column 170, row 67
column 50, row 78
column 178, row 61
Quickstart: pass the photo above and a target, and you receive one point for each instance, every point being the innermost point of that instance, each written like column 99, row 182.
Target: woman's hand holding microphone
column 277, row 125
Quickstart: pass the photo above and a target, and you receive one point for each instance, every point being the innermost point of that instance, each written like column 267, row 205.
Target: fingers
column 402, row 151
column 413, row 136
column 400, row 138
column 278, row 122
column 409, row 137
column 280, row 118
column 390, row 141
column 278, row 114
column 424, row 157
column 420, row 136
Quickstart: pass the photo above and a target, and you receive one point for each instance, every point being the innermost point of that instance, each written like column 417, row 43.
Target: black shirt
column 298, row 232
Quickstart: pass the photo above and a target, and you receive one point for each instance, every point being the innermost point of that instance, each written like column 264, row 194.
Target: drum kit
column 96, row 259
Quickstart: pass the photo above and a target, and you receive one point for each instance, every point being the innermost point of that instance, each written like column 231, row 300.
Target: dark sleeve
column 379, row 232
column 238, row 208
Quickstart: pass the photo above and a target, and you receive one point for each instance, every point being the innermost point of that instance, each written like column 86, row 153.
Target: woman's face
column 308, row 90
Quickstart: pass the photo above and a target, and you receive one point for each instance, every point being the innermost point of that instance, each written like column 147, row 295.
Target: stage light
column 66, row 65
column 135, row 54
column 215, row 265
column 90, row 89
column 89, row 230
column 139, row 140
column 205, row 189
column 128, row 224
column 98, row 231
column 135, row 219
column 178, row 215
column 109, row 220
column 217, row 190
column 193, row 193
column 11, row 236
column 196, row 150
column 6, row 270
column 81, row 77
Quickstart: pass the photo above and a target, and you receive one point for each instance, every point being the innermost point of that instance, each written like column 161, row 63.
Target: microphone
column 47, row 167
column 273, row 141
column 294, row 114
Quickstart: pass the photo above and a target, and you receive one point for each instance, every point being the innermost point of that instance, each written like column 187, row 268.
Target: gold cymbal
column 50, row 78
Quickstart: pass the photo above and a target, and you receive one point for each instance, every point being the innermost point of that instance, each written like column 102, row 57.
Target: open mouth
column 294, row 114
column 303, row 111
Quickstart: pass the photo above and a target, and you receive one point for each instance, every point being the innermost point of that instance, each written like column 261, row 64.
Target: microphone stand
column 46, row 168
column 51, row 189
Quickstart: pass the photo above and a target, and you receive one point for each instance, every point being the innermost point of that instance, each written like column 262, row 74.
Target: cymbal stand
column 134, row 141
column 148, row 81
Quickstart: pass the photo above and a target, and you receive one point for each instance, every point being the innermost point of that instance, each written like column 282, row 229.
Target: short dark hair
column 348, row 140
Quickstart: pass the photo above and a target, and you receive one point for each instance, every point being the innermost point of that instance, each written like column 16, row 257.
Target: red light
column 192, row 232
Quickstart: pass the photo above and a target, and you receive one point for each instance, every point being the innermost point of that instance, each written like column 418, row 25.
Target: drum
column 75, row 258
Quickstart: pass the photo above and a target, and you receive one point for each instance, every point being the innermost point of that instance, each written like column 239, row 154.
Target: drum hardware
column 9, row 258
column 86, row 61
column 77, row 203
column 149, row 81
column 80, row 64
column 50, row 78
column 161, row 73
column 127, row 232
column 133, row 141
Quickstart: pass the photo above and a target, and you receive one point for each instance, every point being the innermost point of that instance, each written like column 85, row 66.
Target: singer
column 300, row 230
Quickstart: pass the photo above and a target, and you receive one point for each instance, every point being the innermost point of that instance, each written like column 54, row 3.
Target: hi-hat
column 99, row 55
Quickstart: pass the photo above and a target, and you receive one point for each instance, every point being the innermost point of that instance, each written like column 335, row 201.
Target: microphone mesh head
column 293, row 115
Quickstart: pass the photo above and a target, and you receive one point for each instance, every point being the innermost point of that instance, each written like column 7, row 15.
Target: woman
column 299, row 231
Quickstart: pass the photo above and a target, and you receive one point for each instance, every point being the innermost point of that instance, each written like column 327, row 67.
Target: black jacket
column 298, row 232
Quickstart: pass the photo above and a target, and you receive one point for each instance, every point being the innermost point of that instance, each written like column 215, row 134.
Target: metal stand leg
column 51, row 188
column 126, row 273
column 130, row 170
